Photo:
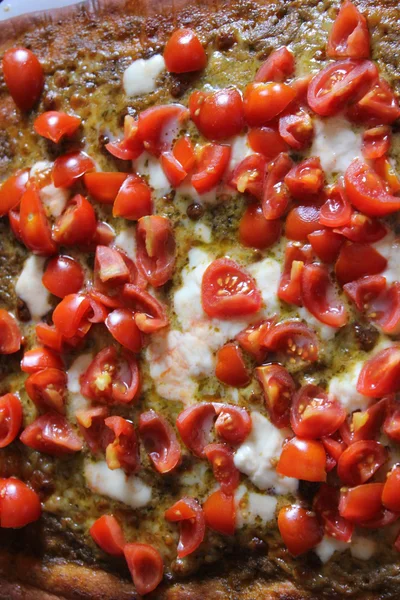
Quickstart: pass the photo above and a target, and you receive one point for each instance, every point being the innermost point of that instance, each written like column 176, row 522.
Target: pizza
column 200, row 302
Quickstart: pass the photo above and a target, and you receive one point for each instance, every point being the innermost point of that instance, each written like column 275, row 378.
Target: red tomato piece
column 386, row 172
column 378, row 106
column 122, row 326
column 225, row 472
column 52, row 434
column 305, row 179
column 155, row 121
column 301, row 221
column 357, row 260
column 380, row 374
column 248, row 176
column 231, row 368
column 11, row 191
column 160, row 441
column 133, row 200
column 184, row 53
column 364, row 290
column 146, row 566
column 63, row 275
column 151, row 315
column 184, row 153
column 47, row 389
column 108, row 535
column 255, row 231
column 264, row 101
column 296, row 256
column 55, row 125
column 339, row 83
column 376, row 141
column 276, row 195
column 70, row 167
column 391, row 490
column 34, row 227
column 111, row 379
column 349, row 35
column 366, row 191
column 364, row 425
column 10, row 419
column 361, row 503
column 69, row 315
column 227, row 290
column 315, row 414
column 233, row 424
column 194, row 425
column 296, row 128
column 326, row 244
column 24, row 77
column 192, row 528
column 336, row 211
column 266, row 141
column 172, row 168
column 49, row 336
column 14, row 221
column 10, row 335
column 220, row 513
column 19, row 505
column 299, row 528
column 110, row 266
column 77, row 224
column 211, row 167
column 363, row 229
column 123, row 451
column 319, row 296
column 155, row 249
column 326, row 505
column 391, row 425
column 251, row 337
column 294, row 339
column 91, row 425
column 360, row 461
column 303, row 459
column 278, row 66
column 40, row 358
column 384, row 309
column 217, row 115
column 125, row 149
column 104, row 187
column 278, row 387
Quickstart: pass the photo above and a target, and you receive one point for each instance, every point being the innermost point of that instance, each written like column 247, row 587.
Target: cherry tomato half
column 391, row 490
column 10, row 419
column 225, row 472
column 349, row 35
column 303, row 459
column 133, row 199
column 10, row 335
column 63, row 275
column 367, row 192
column 217, row 115
column 107, row 533
column 319, row 296
column 145, row 565
column 278, row 66
column 192, row 527
column 213, row 162
column 361, row 503
column 255, row 231
column 160, row 441
column 220, row 512
column 19, row 505
column 360, row 461
column 55, row 125
column 52, row 434
column 231, row 368
column 184, row 53
column 278, row 387
column 11, row 191
column 299, row 528
column 103, row 186
column 155, row 249
column 264, row 101
column 315, row 414
column 23, row 75
column 380, row 374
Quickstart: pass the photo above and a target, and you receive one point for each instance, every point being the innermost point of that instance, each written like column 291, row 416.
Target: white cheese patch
column 149, row 166
column 362, row 547
column 240, row 149
column 336, row 144
column 328, row 546
column 140, row 77
column 30, row 289
column 325, row 332
column 389, row 247
column 76, row 400
column 115, row 484
column 203, row 233
column 126, row 241
column 257, row 456
column 251, row 507
column 343, row 387
column 54, row 199
column 267, row 273
column 187, row 192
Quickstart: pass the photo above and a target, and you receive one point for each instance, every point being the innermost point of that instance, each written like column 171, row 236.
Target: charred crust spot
column 23, row 313
column 225, row 39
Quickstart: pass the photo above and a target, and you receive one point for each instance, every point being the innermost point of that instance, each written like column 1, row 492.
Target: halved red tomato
column 293, row 338
column 319, row 296
column 123, row 451
column 49, row 336
column 364, row 290
column 10, row 419
column 358, row 260
column 251, row 337
column 376, row 141
column 384, row 309
column 363, row 229
column 77, row 224
column 55, row 125
column 391, row 490
column 255, row 231
column 361, row 503
column 70, row 167
column 296, row 256
column 367, row 192
column 364, row 425
column 315, row 414
column 14, row 221
column 299, row 528
column 155, row 121
column 233, row 423
column 278, row 66
column 10, row 335
column 336, row 211
column 295, row 126
column 360, row 461
column 231, row 368
column 146, row 566
column 264, row 101
column 172, row 168
column 91, row 425
column 276, row 196
column 63, row 275
column 380, row 374
column 47, row 389
column 334, row 446
column 184, row 53
column 155, row 249
column 133, row 199
column 24, row 77
column 110, row 267
column 326, row 505
column 107, row 533
column 122, row 326
column 150, row 314
column 266, row 141
column 194, row 425
column 190, row 516
column 160, row 441
column 220, row 512
column 104, row 186
column 386, row 172
column 225, row 472
column 34, row 227
column 349, row 35
column 278, row 387
column 71, row 314
column 303, row 459
column 217, row 115
column 211, row 166
column 391, row 425
column 52, row 434
column 184, row 153
column 227, row 290
column 125, row 149
column 301, row 221
column 326, row 244
column 11, row 191
column 378, row 106
column 248, row 176
column 306, row 178
column 19, row 505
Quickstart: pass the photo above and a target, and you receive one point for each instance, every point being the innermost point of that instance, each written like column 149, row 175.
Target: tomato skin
column 47, row 389
column 10, row 335
column 225, row 472
column 192, row 524
column 250, row 339
column 154, row 121
column 23, row 75
column 123, row 451
column 194, row 426
column 296, row 127
column 231, row 368
column 172, row 168
column 133, row 200
column 34, row 227
column 360, row 461
column 376, row 142
column 296, row 256
column 278, row 387
column 49, row 336
column 145, row 565
column 227, row 290
column 293, row 338
column 326, row 244
column 301, row 221
column 266, row 141
column 55, row 125
column 220, row 513
column 391, row 490
column 319, row 296
column 10, row 418
column 52, row 434
column 154, row 315
column 19, row 505
column 367, row 192
column 77, row 224
column 248, row 176
column 303, row 459
column 264, row 101
column 361, row 503
column 326, row 505
column 380, row 374
column 11, row 191
column 233, row 423
column 184, row 153
column 314, row 414
column 349, row 35
column 378, row 106
column 63, row 275
column 305, row 179
column 184, row 53
column 160, row 441
column 71, row 167
column 363, row 229
column 218, row 115
column 40, row 358
column 299, row 528
column 214, row 160
column 336, row 211
column 155, row 249
column 255, row 231
column 107, row 533
column 104, row 187
column 276, row 196
column 70, row 313
column 363, row 290
column 122, row 326
column 356, row 261
column 278, row 66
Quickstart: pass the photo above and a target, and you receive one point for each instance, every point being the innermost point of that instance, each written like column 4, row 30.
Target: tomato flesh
column 303, row 459
column 360, row 461
column 107, row 533
column 299, row 528
column 231, row 368
column 160, row 441
column 23, row 75
column 184, row 53
column 220, row 513
column 19, row 505
column 146, row 566
column 10, row 419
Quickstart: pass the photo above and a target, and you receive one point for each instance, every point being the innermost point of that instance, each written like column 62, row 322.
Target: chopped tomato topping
column 248, row 175
column 11, row 191
column 190, row 516
column 349, row 35
column 70, row 314
column 378, row 106
column 10, row 419
column 278, row 387
column 278, row 66
column 55, row 125
column 386, row 172
column 255, row 231
column 336, row 211
column 231, row 368
column 211, row 167
column 361, row 503
column 155, row 249
column 122, row 326
column 264, row 101
column 19, row 505
column 250, row 339
column 296, row 127
column 391, row 490
column 315, row 414
column 276, row 195
column 133, row 200
column 301, row 221
column 305, row 179
column 319, row 296
column 49, row 336
column 364, row 290
column 217, row 115
column 367, row 192
column 233, row 424
column 10, row 335
column 91, row 424
column 360, row 461
column 184, row 53
column 358, row 260
column 47, row 389
column 63, row 275
column 154, row 122
column 146, row 566
column 160, row 441
column 266, row 141
column 24, row 77
column 326, row 505
column 391, row 425
column 110, row 266
column 123, row 451
column 380, row 374
column 103, row 186
column 303, row 459
column 34, row 227
column 293, row 338
column 184, row 153
column 77, row 224
column 71, row 167
column 376, row 142
column 150, row 314
column 220, row 513
column 364, row 425
column 107, row 533
column 40, row 358
column 172, row 168
column 52, row 434
column 296, row 256
column 326, row 244
column 225, row 472
column 194, row 425
column 299, row 528
column 363, row 229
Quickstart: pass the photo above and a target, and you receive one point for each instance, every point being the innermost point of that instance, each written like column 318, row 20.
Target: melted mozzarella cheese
column 336, row 144
column 115, row 484
column 267, row 273
column 76, row 400
column 140, row 77
column 389, row 247
column 256, row 457
column 148, row 165
column 30, row 289
column 127, row 242
column 239, row 150
column 343, row 387
column 251, row 507
column 362, row 547
column 325, row 331
column 54, row 199
column 203, row 233
column 328, row 546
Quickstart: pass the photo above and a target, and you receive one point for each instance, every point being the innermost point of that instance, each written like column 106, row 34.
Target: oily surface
column 84, row 57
